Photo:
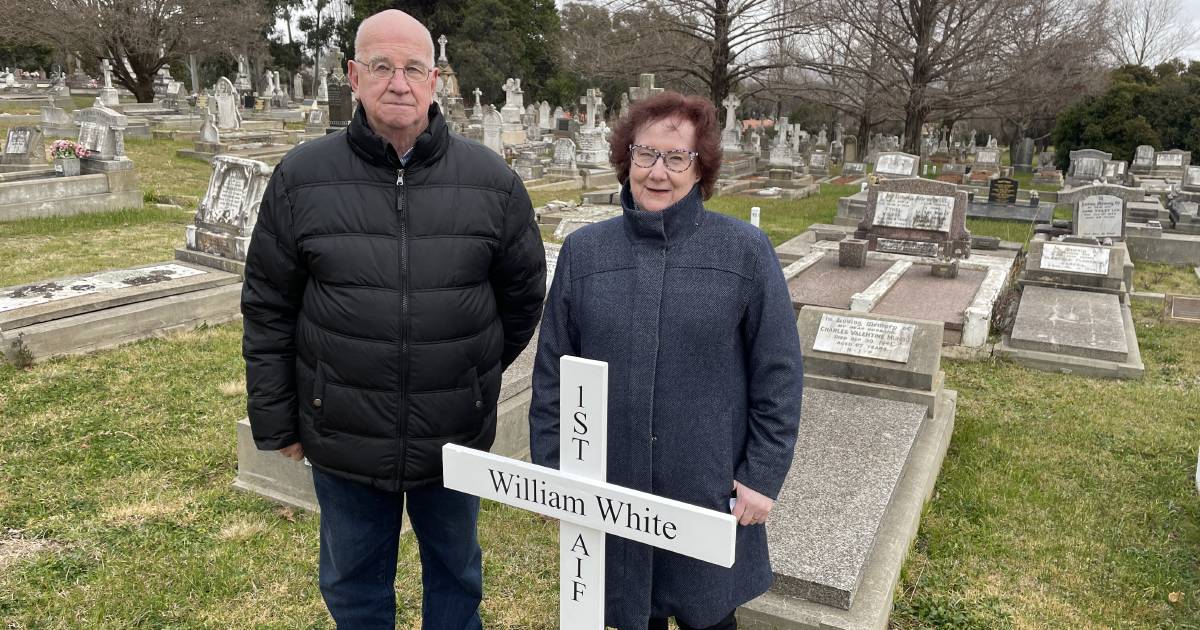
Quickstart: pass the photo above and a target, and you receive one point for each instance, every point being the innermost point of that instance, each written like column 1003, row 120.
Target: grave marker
column 1075, row 258
column 897, row 164
column 1003, row 190
column 587, row 507
column 860, row 337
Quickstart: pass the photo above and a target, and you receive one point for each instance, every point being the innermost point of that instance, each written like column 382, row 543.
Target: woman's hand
column 751, row 508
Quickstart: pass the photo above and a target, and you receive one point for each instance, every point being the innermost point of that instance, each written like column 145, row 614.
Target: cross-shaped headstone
column 336, row 56
column 731, row 103
column 587, row 507
column 442, row 43
column 593, row 101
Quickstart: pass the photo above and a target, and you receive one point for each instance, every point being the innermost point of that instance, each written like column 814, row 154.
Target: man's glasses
column 678, row 160
column 384, row 71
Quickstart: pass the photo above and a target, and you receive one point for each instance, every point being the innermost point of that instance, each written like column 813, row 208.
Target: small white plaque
column 1075, row 258
column 1100, row 216
column 988, row 156
column 913, row 211
column 861, row 337
column 1170, row 159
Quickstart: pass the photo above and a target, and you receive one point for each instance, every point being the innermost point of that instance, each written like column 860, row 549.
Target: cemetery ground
column 1064, row 501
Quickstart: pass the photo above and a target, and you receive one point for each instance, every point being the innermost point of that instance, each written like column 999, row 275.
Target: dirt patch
column 14, row 547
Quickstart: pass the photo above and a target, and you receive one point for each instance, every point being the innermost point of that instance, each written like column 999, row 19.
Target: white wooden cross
column 586, row 506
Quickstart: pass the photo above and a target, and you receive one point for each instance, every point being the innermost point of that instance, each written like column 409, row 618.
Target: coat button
column 479, row 404
column 317, row 403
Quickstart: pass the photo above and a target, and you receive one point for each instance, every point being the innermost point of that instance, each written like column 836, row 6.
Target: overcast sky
column 1191, row 10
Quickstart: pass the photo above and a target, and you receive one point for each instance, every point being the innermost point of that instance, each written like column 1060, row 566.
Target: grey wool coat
column 691, row 311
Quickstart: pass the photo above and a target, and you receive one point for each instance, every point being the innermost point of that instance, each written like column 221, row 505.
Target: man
column 395, row 271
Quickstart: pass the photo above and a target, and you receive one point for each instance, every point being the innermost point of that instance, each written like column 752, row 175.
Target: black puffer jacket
column 382, row 304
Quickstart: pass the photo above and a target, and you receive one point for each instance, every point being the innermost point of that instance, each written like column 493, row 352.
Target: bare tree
column 1149, row 32
column 924, row 58
column 713, row 45
column 141, row 36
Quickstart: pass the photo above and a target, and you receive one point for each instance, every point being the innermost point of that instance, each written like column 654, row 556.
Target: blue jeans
column 360, row 537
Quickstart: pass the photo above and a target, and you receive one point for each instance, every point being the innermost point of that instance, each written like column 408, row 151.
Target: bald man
column 395, row 271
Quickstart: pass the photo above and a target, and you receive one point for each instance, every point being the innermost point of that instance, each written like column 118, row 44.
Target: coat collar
column 374, row 148
column 672, row 225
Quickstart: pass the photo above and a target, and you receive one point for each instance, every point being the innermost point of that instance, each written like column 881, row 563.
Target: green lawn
column 1064, row 502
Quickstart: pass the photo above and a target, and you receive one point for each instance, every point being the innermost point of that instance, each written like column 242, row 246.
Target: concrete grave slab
column 871, row 604
column 920, row 295
column 825, row 283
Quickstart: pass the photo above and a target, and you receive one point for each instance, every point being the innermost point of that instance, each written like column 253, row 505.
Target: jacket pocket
column 449, row 412
column 316, row 399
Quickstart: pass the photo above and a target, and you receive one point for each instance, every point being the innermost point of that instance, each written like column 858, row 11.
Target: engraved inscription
column 912, row 248
column 1170, row 159
column 232, row 195
column 1100, row 216
column 1075, row 258
column 869, row 338
column 18, row 141
column 913, row 211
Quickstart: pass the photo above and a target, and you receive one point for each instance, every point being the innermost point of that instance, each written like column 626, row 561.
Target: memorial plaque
column 91, row 135
column 18, row 141
column 1003, row 190
column 1075, row 258
column 902, row 246
column 1170, row 159
column 896, row 164
column 861, row 337
column 232, row 195
column 1089, row 167
column 1100, row 216
column 818, row 160
column 914, row 211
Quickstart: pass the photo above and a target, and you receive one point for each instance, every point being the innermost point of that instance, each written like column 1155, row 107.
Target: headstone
column 24, row 146
column 1143, row 159
column 731, row 136
column 1191, row 179
column 513, row 132
column 895, row 164
column 916, row 217
column 781, row 150
column 298, row 87
column 593, row 146
column 1087, row 166
column 1003, row 190
column 1100, row 210
column 1171, row 164
column 242, row 80
column 102, row 132
column 545, row 123
column 341, row 104
column 988, row 159
column 528, row 166
column 818, row 163
column 226, row 99
column 493, row 123
column 108, row 94
column 854, row 169
column 1022, row 156
column 563, row 162
column 850, row 153
column 227, row 214
column 323, row 87
column 645, row 88
column 208, row 130
column 477, row 110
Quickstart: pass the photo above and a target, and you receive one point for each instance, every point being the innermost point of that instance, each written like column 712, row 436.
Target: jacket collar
column 374, row 148
column 672, row 225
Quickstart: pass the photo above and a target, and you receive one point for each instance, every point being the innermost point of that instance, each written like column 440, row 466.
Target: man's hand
column 751, row 507
column 294, row 452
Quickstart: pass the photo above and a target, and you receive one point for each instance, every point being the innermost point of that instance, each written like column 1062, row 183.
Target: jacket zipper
column 402, row 252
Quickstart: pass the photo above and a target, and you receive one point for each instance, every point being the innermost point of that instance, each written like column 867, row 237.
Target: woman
column 691, row 312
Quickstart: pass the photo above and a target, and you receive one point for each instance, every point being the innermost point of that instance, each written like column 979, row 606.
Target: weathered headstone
column 24, row 146
column 1100, row 209
column 493, row 123
column 1191, row 179
column 818, row 163
column 645, row 88
column 1022, row 156
column 731, row 136
column 102, row 132
column 1171, row 164
column 987, row 159
column 894, row 164
column 917, row 217
column 227, row 214
column 209, row 133
column 1087, row 165
column 225, row 97
column 563, row 161
column 1143, row 159
column 298, row 87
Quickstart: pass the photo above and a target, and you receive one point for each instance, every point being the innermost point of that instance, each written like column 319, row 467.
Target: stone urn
column 66, row 166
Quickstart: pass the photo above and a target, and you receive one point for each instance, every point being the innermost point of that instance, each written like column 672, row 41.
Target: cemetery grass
column 117, row 508
column 1064, row 501
column 166, row 177
column 1160, row 278
column 783, row 219
column 47, row 248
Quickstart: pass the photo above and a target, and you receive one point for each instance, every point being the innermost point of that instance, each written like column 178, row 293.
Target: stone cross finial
column 106, row 70
column 442, row 43
column 593, row 101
